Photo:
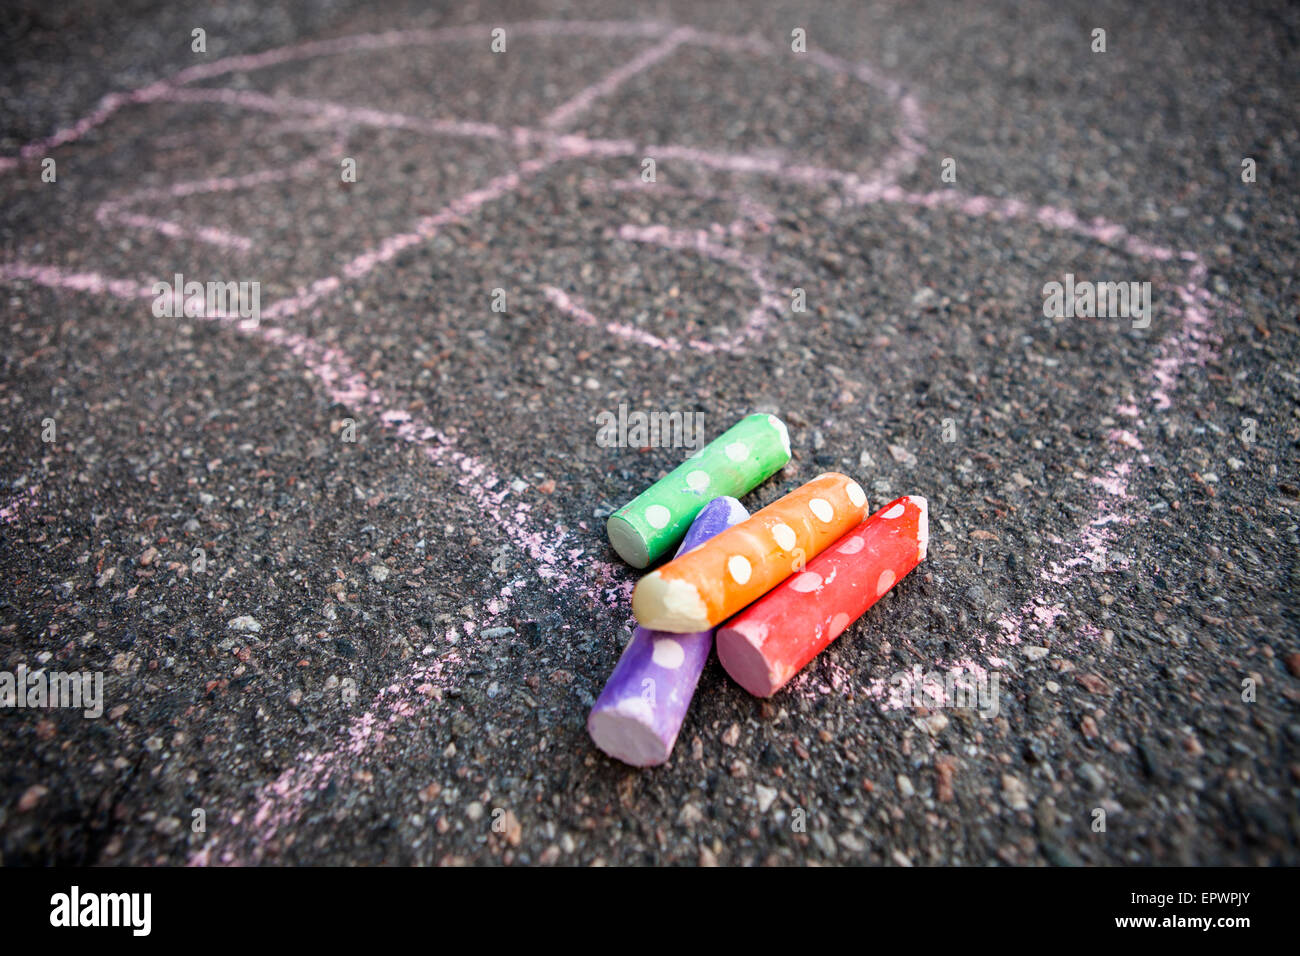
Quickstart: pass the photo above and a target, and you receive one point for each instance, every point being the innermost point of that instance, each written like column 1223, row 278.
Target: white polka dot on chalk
column 657, row 516
column 697, row 480
column 739, row 568
column 822, row 509
column 808, row 581
column 668, row 654
column 856, row 494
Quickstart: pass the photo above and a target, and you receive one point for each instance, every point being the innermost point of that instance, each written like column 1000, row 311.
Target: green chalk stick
column 736, row 462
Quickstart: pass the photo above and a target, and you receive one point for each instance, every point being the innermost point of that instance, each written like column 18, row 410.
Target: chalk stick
column 736, row 462
column 706, row 586
column 770, row 641
column 639, row 713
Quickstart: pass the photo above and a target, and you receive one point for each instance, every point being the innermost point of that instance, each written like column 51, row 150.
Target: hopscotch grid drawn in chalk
column 281, row 803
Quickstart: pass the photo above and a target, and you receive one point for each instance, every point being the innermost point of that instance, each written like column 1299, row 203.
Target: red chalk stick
column 766, row 644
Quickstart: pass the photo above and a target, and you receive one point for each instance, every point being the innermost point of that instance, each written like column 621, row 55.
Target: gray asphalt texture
column 380, row 712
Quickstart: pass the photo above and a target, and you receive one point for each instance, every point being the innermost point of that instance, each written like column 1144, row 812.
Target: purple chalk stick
column 641, row 709
column 714, row 518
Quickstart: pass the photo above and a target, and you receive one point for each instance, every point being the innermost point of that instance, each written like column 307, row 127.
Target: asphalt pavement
column 340, row 561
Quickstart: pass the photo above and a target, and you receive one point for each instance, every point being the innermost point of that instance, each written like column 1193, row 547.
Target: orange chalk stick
column 703, row 587
column 770, row 641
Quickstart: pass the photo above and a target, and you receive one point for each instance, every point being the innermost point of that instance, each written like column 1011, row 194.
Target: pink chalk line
column 572, row 307
column 698, row 241
column 114, row 211
column 752, row 216
column 111, row 103
column 565, row 114
column 1192, row 343
column 18, row 503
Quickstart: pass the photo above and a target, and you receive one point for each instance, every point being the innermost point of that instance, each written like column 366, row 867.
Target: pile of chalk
column 787, row 580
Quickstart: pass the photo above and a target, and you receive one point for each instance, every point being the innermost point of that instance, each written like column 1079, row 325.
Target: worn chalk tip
column 782, row 433
column 739, row 654
column 669, row 605
column 625, row 733
column 736, row 512
column 922, row 526
column 627, row 541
